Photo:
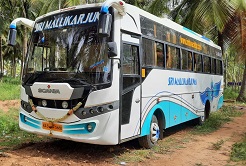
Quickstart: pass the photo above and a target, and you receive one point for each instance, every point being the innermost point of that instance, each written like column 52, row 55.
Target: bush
column 230, row 93
column 10, row 88
column 8, row 122
column 217, row 119
column 11, row 80
column 239, row 150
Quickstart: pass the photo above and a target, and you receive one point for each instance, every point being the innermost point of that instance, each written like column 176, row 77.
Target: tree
column 203, row 15
column 225, row 17
column 238, row 39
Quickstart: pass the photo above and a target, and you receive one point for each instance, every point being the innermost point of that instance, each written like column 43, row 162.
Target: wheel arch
column 161, row 120
column 159, row 113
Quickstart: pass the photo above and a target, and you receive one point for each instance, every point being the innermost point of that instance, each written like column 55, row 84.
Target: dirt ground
column 198, row 151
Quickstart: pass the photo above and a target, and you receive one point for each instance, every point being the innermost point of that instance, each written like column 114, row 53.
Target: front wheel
column 150, row 140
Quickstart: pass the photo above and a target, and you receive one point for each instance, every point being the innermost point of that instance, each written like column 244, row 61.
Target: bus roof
column 135, row 12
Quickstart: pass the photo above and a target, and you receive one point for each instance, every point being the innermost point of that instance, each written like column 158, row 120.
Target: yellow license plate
column 54, row 127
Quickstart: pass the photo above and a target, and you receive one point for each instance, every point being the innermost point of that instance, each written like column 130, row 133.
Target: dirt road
column 196, row 151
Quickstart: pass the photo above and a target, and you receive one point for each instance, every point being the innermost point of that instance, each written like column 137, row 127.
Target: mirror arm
column 12, row 28
column 119, row 64
column 117, row 4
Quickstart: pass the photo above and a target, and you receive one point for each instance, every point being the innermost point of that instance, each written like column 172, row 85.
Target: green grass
column 230, row 93
column 134, row 156
column 10, row 88
column 10, row 135
column 239, row 150
column 217, row 119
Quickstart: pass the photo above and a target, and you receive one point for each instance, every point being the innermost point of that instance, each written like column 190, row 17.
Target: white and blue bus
column 108, row 73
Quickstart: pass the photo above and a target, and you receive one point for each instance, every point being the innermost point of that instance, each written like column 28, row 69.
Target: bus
column 110, row 72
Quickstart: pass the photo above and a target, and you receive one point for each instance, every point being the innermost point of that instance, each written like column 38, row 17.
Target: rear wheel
column 150, row 140
column 203, row 118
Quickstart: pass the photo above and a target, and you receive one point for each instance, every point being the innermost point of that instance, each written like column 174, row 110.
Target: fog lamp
column 89, row 127
column 91, row 111
column 44, row 103
column 64, row 104
column 83, row 113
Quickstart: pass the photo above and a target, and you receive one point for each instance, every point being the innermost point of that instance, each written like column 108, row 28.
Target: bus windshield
column 72, row 54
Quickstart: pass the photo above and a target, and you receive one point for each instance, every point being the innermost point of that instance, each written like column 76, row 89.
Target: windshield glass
column 65, row 48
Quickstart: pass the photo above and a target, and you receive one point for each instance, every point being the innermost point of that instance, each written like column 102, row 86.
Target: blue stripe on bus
column 78, row 128
column 188, row 30
column 206, row 38
column 220, row 102
column 67, row 129
column 30, row 122
column 177, row 114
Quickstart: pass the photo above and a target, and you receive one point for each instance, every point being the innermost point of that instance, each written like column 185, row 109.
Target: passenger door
column 130, row 87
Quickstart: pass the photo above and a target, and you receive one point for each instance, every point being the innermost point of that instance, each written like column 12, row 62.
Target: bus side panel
column 175, row 109
column 217, row 96
column 184, row 100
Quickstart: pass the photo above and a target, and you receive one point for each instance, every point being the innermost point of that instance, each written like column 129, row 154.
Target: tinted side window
column 207, row 64
column 172, row 57
column 197, row 62
column 213, row 66
column 148, row 52
column 186, row 60
column 159, row 55
column 219, row 67
column 130, row 59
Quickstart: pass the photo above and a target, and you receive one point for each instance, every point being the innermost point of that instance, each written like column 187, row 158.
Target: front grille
column 56, row 103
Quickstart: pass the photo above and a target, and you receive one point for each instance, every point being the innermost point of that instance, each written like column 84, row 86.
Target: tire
column 150, row 140
column 201, row 120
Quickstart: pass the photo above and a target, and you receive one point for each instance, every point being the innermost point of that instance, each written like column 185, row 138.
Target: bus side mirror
column 112, row 49
column 104, row 25
column 12, row 37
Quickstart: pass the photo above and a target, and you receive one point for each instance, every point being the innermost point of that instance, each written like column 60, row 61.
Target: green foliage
column 10, row 88
column 11, row 80
column 8, row 122
column 11, row 136
column 239, row 150
column 230, row 93
column 217, row 119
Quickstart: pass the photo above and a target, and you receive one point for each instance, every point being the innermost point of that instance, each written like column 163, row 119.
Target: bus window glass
column 219, row 67
column 172, row 57
column 207, row 64
column 60, row 56
column 213, row 66
column 197, row 62
column 147, row 26
column 130, row 59
column 130, row 66
column 186, row 60
column 148, row 52
column 159, row 55
column 190, row 58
